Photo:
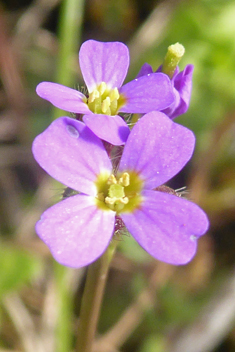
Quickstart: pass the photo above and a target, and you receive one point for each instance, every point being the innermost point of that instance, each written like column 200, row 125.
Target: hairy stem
column 92, row 299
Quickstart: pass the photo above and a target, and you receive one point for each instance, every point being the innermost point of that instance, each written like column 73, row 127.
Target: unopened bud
column 173, row 56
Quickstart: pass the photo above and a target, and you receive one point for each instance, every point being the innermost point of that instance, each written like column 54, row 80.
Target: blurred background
column 148, row 306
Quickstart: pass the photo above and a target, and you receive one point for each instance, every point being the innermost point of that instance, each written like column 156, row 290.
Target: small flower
column 104, row 67
column 182, row 87
column 79, row 228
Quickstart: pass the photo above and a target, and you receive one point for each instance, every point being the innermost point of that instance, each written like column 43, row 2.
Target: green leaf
column 17, row 268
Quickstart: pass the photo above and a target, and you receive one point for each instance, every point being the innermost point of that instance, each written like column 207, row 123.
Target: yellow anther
column 102, row 87
column 105, row 105
column 112, row 180
column 114, row 105
column 114, row 94
column 113, row 200
column 124, row 200
column 124, row 180
column 110, row 200
column 94, row 95
column 104, row 100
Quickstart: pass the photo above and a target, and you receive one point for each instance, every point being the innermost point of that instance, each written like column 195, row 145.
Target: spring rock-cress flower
column 79, row 228
column 104, row 67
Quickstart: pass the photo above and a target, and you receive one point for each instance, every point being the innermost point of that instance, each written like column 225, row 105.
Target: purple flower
column 104, row 67
column 182, row 87
column 79, row 228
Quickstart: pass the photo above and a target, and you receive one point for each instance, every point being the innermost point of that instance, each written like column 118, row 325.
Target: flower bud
column 173, row 56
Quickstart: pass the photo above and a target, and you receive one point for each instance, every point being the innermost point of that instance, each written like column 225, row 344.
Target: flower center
column 103, row 100
column 121, row 194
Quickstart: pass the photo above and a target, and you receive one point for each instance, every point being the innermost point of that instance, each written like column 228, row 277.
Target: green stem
column 92, row 299
column 70, row 25
column 64, row 303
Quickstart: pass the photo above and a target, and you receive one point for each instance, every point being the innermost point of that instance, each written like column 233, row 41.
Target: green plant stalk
column 92, row 299
column 64, row 302
column 70, row 27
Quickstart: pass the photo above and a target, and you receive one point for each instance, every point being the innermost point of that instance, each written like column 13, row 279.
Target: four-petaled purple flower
column 104, row 67
column 79, row 228
column 182, row 87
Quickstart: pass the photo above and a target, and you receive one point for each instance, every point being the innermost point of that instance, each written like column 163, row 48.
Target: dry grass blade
column 213, row 324
column 153, row 29
column 134, row 314
column 31, row 215
column 23, row 323
column 31, row 20
column 200, row 180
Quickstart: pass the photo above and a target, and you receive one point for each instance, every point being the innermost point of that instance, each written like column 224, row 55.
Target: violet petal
column 167, row 226
column 183, row 85
column 76, row 231
column 112, row 129
column 103, row 62
column 147, row 93
column 145, row 70
column 63, row 97
column 68, row 151
column 157, row 149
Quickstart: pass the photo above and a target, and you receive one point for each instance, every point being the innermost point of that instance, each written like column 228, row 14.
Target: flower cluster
column 104, row 67
column 79, row 228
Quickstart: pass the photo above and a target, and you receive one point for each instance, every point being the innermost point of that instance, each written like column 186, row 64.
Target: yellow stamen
column 120, row 193
column 124, row 200
column 124, row 180
column 94, row 95
column 105, row 105
column 110, row 200
column 102, row 87
column 104, row 100
column 112, row 180
column 114, row 94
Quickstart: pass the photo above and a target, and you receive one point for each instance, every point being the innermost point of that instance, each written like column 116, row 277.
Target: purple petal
column 167, row 226
column 112, row 129
column 182, row 83
column 157, row 149
column 103, row 62
column 147, row 93
column 170, row 111
column 145, row 70
column 68, row 151
column 76, row 231
column 63, row 97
